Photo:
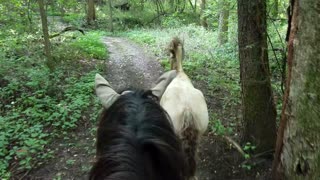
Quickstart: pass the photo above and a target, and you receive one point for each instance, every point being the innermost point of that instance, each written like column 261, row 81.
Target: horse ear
column 104, row 91
column 162, row 83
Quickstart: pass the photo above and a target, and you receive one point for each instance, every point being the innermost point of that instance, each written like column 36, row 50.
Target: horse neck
column 123, row 161
column 178, row 59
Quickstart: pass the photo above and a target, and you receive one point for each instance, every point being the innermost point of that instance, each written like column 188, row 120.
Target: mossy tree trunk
column 297, row 153
column 223, row 22
column 47, row 46
column 259, row 114
column 91, row 13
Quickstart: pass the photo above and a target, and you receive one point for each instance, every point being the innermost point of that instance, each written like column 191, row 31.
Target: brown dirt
column 130, row 65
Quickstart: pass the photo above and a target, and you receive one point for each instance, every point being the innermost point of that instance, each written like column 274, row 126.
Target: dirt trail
column 130, row 65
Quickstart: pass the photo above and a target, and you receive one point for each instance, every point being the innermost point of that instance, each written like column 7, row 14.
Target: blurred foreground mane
column 136, row 141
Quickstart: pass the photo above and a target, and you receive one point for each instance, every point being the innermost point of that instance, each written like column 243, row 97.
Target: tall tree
column 275, row 8
column 203, row 18
column 297, row 153
column 258, row 109
column 110, row 15
column 223, row 21
column 47, row 46
column 91, row 13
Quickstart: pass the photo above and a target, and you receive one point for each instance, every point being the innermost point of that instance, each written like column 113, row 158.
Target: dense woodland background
column 241, row 54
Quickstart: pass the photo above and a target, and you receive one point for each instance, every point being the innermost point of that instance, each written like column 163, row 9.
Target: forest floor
column 130, row 65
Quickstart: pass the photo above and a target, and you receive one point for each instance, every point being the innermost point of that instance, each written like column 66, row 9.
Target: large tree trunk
column 47, row 46
column 297, row 153
column 259, row 114
column 91, row 14
column 223, row 22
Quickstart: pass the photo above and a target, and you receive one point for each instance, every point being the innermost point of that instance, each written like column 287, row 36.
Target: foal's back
column 181, row 96
column 135, row 140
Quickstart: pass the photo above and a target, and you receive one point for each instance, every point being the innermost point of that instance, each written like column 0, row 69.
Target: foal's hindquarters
column 189, row 114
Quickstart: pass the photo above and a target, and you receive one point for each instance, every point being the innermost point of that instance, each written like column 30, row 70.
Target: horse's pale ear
column 104, row 91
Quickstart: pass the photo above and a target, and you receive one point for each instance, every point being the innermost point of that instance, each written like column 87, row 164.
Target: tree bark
column 275, row 9
column 258, row 109
column 110, row 15
column 223, row 22
column 91, row 14
column 142, row 5
column 29, row 14
column 47, row 46
column 203, row 19
column 297, row 153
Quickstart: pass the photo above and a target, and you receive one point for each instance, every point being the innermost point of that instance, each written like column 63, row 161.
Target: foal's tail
column 189, row 137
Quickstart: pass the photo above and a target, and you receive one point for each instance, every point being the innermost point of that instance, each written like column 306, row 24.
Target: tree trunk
column 259, row 114
column 192, row 6
column 29, row 11
column 275, row 9
column 47, row 46
column 203, row 18
column 91, row 14
column 111, row 16
column 142, row 5
column 172, row 5
column 223, row 22
column 297, row 153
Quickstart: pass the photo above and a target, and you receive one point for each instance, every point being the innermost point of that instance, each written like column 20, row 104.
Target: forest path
column 128, row 65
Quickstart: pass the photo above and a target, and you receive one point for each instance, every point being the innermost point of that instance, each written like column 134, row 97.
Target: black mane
column 136, row 141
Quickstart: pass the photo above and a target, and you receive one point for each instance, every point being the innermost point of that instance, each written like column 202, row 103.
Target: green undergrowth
column 75, row 19
column 91, row 45
column 39, row 106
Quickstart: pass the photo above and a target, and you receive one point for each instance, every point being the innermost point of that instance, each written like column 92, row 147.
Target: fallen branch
column 70, row 28
column 235, row 144
column 258, row 158
column 161, row 14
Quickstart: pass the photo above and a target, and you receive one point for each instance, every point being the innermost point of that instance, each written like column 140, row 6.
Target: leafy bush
column 75, row 19
column 179, row 19
column 91, row 45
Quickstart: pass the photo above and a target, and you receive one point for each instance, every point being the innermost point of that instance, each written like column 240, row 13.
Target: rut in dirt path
column 130, row 65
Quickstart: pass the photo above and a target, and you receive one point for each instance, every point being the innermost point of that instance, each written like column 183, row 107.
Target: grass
column 91, row 45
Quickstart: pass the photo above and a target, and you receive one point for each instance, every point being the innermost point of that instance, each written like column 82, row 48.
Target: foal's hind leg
column 189, row 143
column 194, row 178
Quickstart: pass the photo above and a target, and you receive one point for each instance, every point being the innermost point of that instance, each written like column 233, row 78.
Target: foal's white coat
column 180, row 98
column 186, row 107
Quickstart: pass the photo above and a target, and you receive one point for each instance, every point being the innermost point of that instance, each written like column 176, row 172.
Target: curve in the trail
column 130, row 65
